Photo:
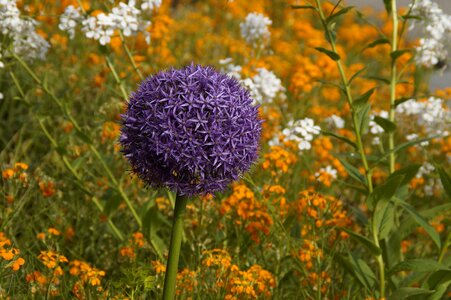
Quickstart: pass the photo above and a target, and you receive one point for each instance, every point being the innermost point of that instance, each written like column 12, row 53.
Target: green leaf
column 408, row 172
column 403, row 293
column 386, row 124
column 340, row 137
column 362, row 271
column 360, row 101
column 364, row 241
column 404, row 146
column 363, row 118
column 418, row 265
column 398, row 53
column 378, row 78
column 446, row 180
column 331, row 54
column 409, row 224
column 353, row 171
column 402, row 100
column 356, row 74
column 338, row 13
column 151, row 224
column 377, row 42
column 387, row 4
column 439, row 281
column 112, row 201
column 385, row 191
column 303, row 7
column 423, row 223
column 384, row 218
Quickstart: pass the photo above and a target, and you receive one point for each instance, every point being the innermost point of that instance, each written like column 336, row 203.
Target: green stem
column 130, row 56
column 117, row 78
column 393, row 79
column 174, row 248
column 348, row 94
column 77, row 127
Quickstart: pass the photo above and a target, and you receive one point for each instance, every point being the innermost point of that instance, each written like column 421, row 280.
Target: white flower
column 335, row 121
column 123, row 17
column 229, row 68
column 70, row 19
column 328, row 170
column 425, row 169
column 436, row 29
column 1, row 96
column 264, row 86
column 301, row 132
column 150, row 4
column 22, row 32
column 255, row 29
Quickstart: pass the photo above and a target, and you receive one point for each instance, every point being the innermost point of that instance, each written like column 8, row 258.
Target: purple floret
column 193, row 130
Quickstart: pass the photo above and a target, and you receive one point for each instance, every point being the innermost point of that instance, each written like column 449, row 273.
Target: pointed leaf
column 377, row 42
column 360, row 101
column 363, row 118
column 386, row 124
column 353, row 171
column 364, row 241
column 405, row 292
column 356, row 74
column 338, row 13
column 340, row 137
column 423, row 223
column 303, row 7
column 418, row 265
column 446, row 180
column 331, row 54
column 398, row 53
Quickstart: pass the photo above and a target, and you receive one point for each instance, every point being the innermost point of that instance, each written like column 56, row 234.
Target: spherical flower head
column 193, row 130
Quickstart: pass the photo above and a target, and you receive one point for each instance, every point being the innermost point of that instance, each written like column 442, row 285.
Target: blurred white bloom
column 1, row 96
column 255, row 29
column 335, row 122
column 150, row 4
column 267, row 84
column 375, row 129
column 425, row 169
column 70, row 19
column 436, row 30
column 100, row 27
column 328, row 170
column 229, row 68
column 414, row 136
column 263, row 86
column 301, row 132
column 123, row 17
column 432, row 114
column 26, row 42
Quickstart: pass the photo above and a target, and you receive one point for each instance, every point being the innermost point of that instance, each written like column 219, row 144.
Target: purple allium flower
column 193, row 130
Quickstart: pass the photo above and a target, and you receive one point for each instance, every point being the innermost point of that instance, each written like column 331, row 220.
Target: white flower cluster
column 69, row 20
column 332, row 172
column 425, row 170
column 301, row 132
column 255, row 30
column 374, row 128
column 229, row 68
column 264, row 86
column 436, row 29
column 150, row 4
column 335, row 121
column 431, row 114
column 125, row 17
column 26, row 42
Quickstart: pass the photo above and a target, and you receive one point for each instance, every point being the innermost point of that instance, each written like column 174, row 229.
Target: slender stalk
column 379, row 258
column 77, row 127
column 130, row 56
column 174, row 248
column 393, row 79
column 349, row 99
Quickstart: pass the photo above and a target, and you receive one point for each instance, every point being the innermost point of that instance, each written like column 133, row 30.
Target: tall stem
column 344, row 81
column 174, row 248
column 394, row 47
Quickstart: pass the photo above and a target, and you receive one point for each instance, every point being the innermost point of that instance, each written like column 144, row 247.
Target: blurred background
column 440, row 79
